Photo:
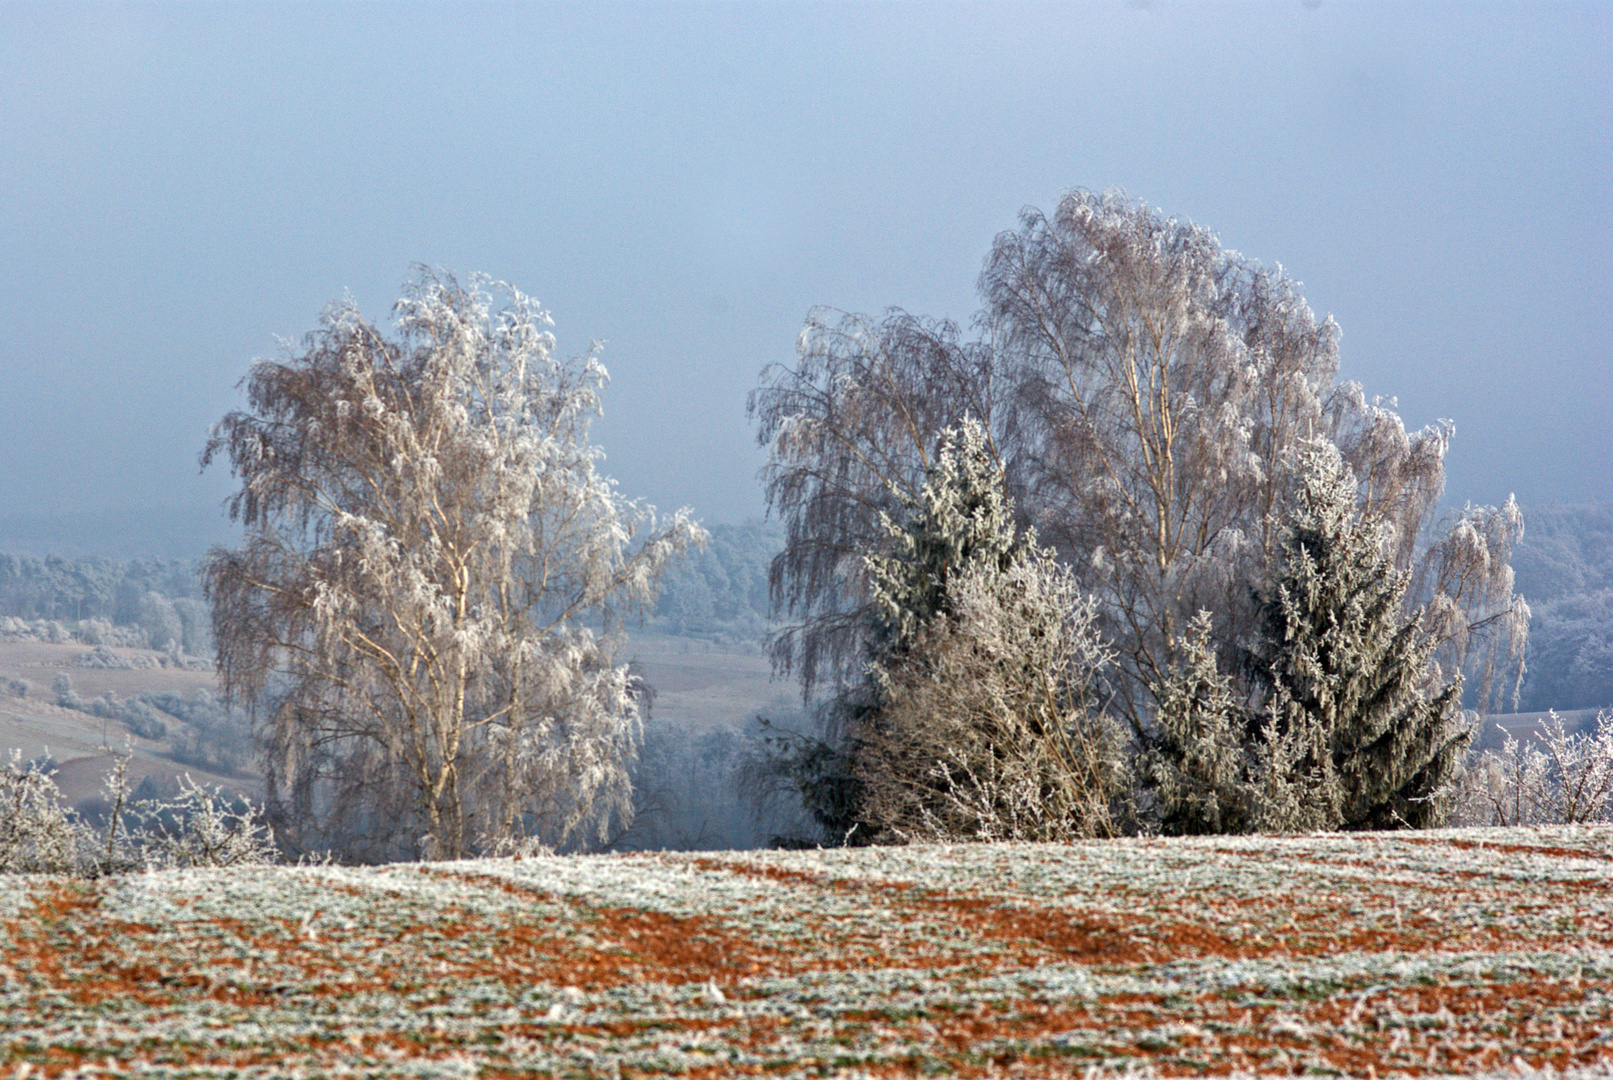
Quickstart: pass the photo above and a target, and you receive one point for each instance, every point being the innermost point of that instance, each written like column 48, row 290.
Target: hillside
column 82, row 744
column 1451, row 952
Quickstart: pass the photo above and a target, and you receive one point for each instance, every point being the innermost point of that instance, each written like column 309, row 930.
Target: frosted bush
column 1554, row 778
column 103, row 657
column 15, row 629
column 200, row 827
column 37, row 834
column 136, row 715
column 102, row 631
column 213, row 736
column 66, row 696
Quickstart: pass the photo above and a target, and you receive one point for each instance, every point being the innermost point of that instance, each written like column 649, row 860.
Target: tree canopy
column 1139, row 386
column 1141, row 391
column 432, row 565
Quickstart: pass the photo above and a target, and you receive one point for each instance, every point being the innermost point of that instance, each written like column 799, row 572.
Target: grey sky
column 181, row 183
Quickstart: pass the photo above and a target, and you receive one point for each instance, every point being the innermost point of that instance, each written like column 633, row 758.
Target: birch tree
column 1160, row 381
column 423, row 605
column 852, row 430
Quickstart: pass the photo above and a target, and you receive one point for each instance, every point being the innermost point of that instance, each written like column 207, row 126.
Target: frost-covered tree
column 1342, row 718
column 1160, row 380
column 1141, row 386
column 1341, row 662
column 1201, row 764
column 959, row 517
column 852, row 430
column 978, row 714
column 990, row 725
column 429, row 553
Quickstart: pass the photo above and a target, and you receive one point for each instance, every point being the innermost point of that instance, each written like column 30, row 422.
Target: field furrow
column 1466, row 952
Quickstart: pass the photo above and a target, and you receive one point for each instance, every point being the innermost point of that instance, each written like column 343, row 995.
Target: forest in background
column 1564, row 568
column 136, row 603
column 717, row 594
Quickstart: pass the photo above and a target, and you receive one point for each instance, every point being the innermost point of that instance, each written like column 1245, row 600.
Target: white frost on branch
column 429, row 549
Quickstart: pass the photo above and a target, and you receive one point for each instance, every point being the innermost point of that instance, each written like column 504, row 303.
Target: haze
column 181, row 183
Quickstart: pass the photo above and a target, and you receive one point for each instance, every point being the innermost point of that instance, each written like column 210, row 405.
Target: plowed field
column 1467, row 952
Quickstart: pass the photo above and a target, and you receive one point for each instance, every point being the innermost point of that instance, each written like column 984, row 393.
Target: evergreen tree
column 1360, row 722
column 989, row 726
column 1199, row 764
column 960, row 516
column 1343, row 720
column 977, row 714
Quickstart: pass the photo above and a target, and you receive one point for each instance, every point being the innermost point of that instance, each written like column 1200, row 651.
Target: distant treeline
column 1564, row 568
column 720, row 591
column 160, row 600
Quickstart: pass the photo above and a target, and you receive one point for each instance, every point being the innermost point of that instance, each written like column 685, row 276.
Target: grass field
column 701, row 685
column 1465, row 952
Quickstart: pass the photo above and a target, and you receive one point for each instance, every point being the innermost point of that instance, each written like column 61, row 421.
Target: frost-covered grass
column 1464, row 951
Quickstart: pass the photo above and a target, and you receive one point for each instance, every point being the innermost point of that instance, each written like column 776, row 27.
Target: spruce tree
column 977, row 716
column 1199, row 764
column 981, row 717
column 1357, row 713
column 960, row 516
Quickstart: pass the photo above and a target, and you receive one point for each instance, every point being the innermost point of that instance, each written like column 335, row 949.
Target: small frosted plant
column 1555, row 778
column 37, row 834
column 200, row 827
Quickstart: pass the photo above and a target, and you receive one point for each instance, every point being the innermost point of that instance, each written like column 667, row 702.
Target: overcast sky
column 179, row 184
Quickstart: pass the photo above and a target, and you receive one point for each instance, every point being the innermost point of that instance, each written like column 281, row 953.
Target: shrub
column 213, row 736
column 199, row 827
column 1556, row 778
column 66, row 696
column 990, row 728
column 38, row 834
